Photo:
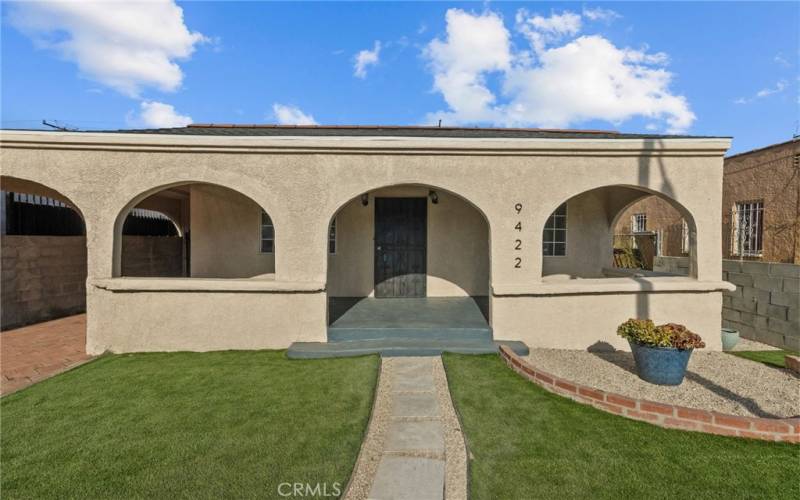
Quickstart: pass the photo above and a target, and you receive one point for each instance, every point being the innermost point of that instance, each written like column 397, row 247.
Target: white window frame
column 261, row 239
column 747, row 238
column 550, row 225
column 332, row 237
column 639, row 223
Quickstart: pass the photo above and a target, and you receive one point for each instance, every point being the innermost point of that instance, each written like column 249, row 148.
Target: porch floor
column 404, row 327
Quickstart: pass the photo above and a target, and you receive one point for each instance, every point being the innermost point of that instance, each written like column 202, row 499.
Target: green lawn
column 774, row 358
column 186, row 425
column 530, row 444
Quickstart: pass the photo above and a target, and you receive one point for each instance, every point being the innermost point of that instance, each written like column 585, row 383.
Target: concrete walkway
column 414, row 448
column 36, row 352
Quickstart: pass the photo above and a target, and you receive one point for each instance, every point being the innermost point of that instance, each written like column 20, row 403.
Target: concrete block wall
column 146, row 256
column 672, row 265
column 43, row 277
column 766, row 303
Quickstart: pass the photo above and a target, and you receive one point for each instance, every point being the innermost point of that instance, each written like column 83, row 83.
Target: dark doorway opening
column 401, row 227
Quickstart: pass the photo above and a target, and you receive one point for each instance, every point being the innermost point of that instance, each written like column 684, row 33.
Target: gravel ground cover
column 715, row 381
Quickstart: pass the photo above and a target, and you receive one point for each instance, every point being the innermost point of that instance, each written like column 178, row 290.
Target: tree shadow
column 625, row 361
column 728, row 394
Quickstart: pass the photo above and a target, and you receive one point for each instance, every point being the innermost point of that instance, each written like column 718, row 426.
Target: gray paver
column 413, row 380
column 422, row 404
column 426, row 435
column 410, row 478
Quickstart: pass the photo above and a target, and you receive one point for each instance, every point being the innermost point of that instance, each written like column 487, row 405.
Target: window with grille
column 555, row 233
column 332, row 238
column 748, row 228
column 684, row 236
column 267, row 234
column 639, row 223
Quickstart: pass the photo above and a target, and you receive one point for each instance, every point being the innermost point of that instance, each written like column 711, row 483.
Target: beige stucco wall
column 457, row 252
column 226, row 235
column 588, row 239
column 583, row 321
column 302, row 181
column 201, row 321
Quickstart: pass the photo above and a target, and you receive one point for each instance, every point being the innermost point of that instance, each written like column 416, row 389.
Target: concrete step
column 394, row 347
column 343, row 334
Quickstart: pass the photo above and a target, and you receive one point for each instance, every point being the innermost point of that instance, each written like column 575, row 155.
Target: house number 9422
column 518, row 239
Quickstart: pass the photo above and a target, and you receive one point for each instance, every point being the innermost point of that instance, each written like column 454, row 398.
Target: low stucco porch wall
column 585, row 314
column 179, row 314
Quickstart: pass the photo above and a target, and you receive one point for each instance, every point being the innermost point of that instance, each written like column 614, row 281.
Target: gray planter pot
column 730, row 338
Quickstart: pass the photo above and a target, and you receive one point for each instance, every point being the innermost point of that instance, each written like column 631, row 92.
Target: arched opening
column 194, row 230
column 409, row 249
column 44, row 254
column 614, row 231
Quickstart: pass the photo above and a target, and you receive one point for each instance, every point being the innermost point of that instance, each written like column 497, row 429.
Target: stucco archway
column 457, row 245
column 588, row 235
column 225, row 233
column 44, row 253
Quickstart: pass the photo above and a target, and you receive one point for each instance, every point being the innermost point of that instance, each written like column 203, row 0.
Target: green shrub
column 644, row 331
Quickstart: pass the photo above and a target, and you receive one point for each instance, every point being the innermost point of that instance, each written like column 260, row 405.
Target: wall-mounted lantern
column 365, row 199
column 434, row 196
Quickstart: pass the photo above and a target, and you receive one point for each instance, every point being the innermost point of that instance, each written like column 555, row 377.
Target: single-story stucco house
column 316, row 237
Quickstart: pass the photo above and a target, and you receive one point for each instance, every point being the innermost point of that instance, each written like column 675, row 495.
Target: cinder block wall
column 43, row 277
column 152, row 256
column 766, row 303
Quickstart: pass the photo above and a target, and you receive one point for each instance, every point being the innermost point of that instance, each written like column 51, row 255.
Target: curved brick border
column 662, row 415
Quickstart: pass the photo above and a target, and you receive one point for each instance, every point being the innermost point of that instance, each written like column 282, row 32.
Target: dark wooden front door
column 400, row 246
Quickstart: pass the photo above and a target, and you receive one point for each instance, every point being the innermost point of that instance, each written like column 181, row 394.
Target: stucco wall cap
column 123, row 141
column 614, row 286
column 259, row 284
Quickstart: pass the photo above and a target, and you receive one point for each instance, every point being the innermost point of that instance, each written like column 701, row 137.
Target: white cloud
column 154, row 114
column 125, row 45
column 782, row 61
column 600, row 14
column 779, row 87
column 366, row 58
column 567, row 82
column 541, row 31
column 475, row 45
column 291, row 115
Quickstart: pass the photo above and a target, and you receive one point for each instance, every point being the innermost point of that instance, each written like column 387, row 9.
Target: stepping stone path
column 414, row 448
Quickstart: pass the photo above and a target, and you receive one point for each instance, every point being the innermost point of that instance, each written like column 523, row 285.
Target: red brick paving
column 36, row 352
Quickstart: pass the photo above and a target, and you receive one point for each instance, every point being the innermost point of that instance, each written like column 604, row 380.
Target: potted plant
column 661, row 352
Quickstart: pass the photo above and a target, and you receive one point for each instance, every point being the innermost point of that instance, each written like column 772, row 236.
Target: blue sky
column 699, row 68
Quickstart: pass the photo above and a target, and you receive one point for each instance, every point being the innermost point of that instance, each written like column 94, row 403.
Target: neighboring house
column 285, row 229
column 760, row 209
column 761, row 204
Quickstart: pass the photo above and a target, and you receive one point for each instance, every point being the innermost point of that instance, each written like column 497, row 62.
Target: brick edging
column 660, row 414
column 792, row 362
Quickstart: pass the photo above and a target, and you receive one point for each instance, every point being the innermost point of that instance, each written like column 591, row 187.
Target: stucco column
column 516, row 239
column 301, row 245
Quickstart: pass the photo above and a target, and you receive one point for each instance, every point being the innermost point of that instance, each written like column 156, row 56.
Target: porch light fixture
column 434, row 196
column 365, row 199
